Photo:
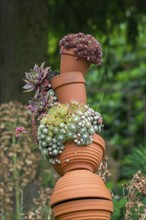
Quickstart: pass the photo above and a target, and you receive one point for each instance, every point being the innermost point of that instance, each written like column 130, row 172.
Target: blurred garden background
column 30, row 33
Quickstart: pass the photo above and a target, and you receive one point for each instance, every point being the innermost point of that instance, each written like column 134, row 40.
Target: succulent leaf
column 37, row 79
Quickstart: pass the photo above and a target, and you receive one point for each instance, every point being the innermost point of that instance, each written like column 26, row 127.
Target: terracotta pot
column 79, row 184
column 70, row 87
column 81, row 194
column 76, row 157
column 69, row 63
column 84, row 209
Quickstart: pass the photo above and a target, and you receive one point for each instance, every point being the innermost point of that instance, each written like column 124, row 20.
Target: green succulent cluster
column 64, row 123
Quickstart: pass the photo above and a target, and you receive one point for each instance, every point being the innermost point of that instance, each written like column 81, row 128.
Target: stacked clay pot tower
column 79, row 194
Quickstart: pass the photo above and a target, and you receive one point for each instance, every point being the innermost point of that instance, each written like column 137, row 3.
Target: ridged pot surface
column 69, row 63
column 88, row 209
column 70, row 87
column 79, row 184
column 76, row 157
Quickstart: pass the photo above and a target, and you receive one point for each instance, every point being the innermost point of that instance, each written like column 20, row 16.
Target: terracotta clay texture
column 81, row 194
column 76, row 157
column 84, row 209
column 69, row 63
column 70, row 87
column 79, row 184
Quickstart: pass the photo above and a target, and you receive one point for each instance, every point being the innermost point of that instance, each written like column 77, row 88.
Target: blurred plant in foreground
column 42, row 210
column 103, row 170
column 135, row 192
column 18, row 164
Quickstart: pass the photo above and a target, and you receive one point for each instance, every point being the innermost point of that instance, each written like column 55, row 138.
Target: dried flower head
column 103, row 170
column 134, row 192
column 18, row 164
column 84, row 45
column 42, row 211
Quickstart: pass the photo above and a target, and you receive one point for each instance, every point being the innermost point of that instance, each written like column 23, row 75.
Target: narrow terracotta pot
column 69, row 63
column 76, row 157
column 81, row 194
column 70, row 87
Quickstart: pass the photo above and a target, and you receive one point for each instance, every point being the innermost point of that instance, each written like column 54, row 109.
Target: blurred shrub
column 134, row 162
column 19, row 165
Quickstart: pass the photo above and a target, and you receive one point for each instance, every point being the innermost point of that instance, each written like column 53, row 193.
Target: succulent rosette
column 64, row 123
column 37, row 79
column 84, row 45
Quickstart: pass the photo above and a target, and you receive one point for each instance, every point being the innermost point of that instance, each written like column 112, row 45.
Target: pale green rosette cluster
column 64, row 123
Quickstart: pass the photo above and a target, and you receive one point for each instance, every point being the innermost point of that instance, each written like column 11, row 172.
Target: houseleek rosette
column 64, row 123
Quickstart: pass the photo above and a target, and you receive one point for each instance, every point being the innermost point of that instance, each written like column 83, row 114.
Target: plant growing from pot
column 78, row 51
column 59, row 125
column 38, row 80
column 68, row 134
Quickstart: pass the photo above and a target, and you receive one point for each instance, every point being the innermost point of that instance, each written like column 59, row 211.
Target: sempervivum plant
column 67, row 122
column 36, row 79
column 85, row 46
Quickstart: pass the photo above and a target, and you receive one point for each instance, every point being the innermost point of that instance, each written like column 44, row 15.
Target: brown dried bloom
column 18, row 164
column 103, row 170
column 42, row 211
column 135, row 191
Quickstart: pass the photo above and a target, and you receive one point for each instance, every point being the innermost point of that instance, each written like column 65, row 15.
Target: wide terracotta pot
column 70, row 87
column 81, row 194
column 69, row 63
column 76, row 157
column 84, row 209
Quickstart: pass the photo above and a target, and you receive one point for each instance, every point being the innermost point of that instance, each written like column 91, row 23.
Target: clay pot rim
column 101, row 193
column 54, row 204
column 97, row 139
column 95, row 204
column 56, row 80
column 69, row 51
column 88, row 156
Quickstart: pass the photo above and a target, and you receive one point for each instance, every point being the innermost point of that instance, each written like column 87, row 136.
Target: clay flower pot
column 69, row 63
column 81, row 194
column 78, row 51
column 70, row 87
column 84, row 209
column 76, row 157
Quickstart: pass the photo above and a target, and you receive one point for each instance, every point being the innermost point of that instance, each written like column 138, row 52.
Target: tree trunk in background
column 24, row 36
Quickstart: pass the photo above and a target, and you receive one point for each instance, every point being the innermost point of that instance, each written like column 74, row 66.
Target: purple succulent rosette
column 37, row 80
column 84, row 45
